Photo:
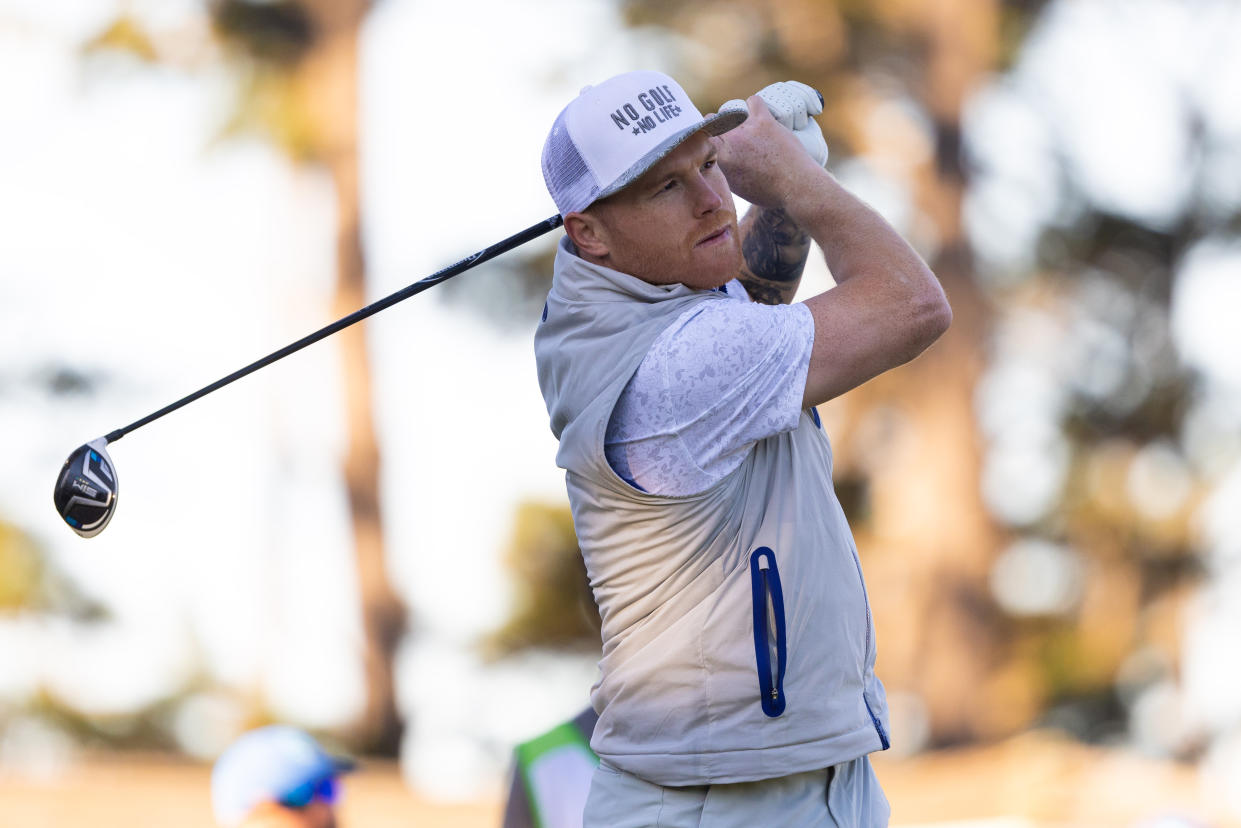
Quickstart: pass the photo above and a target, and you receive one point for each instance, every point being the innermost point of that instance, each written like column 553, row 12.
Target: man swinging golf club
column 737, row 681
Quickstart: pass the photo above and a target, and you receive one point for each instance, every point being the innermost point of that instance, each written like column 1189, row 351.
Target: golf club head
column 86, row 490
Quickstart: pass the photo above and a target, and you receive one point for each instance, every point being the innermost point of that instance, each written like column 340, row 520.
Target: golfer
column 737, row 681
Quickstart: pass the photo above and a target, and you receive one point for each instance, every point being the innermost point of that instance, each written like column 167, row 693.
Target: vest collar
column 577, row 280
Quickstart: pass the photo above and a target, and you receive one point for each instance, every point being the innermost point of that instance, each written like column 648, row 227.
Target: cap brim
column 717, row 123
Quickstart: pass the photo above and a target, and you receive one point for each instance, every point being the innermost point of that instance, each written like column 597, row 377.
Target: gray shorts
column 844, row 796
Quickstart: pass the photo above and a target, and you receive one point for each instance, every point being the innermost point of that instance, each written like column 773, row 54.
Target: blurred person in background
column 277, row 777
column 551, row 776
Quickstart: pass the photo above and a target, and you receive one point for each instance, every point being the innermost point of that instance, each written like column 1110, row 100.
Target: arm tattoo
column 775, row 251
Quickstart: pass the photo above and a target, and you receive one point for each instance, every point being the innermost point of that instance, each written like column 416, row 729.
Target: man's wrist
column 813, row 192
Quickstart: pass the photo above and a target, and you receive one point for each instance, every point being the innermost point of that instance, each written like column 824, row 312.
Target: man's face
column 676, row 223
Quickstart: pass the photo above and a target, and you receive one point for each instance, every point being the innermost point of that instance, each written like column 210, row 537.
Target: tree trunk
column 328, row 81
column 942, row 636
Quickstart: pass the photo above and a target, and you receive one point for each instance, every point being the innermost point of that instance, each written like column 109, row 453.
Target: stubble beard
column 729, row 262
column 699, row 269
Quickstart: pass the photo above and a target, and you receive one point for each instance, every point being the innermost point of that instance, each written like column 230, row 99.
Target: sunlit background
column 370, row 538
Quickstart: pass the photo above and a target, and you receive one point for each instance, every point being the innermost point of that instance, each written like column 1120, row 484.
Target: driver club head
column 86, row 489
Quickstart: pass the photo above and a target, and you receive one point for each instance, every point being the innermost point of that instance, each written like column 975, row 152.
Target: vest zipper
column 768, row 616
column 762, row 571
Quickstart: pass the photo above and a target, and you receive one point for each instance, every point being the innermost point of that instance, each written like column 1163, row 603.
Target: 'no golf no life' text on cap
column 613, row 132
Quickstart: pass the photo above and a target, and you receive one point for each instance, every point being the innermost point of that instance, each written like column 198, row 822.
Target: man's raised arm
column 775, row 251
column 887, row 306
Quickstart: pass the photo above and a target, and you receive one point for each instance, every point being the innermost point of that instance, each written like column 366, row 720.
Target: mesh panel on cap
column 569, row 180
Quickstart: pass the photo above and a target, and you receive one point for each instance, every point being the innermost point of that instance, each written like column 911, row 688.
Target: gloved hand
column 793, row 104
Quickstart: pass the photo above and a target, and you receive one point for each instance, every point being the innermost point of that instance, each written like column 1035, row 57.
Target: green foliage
column 1065, row 664
column 268, row 105
column 125, row 35
column 553, row 607
column 21, row 570
column 30, row 583
column 265, row 43
column 278, row 33
column 139, row 729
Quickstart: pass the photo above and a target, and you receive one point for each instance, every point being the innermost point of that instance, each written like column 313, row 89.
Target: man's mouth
column 721, row 235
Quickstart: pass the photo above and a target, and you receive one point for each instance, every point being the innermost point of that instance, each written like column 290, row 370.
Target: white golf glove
column 793, row 104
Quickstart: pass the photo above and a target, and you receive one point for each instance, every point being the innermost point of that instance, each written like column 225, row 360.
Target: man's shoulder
column 736, row 327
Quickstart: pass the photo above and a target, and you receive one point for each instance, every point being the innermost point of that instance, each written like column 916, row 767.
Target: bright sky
column 134, row 252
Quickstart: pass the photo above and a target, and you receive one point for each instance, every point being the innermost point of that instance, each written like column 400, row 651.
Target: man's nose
column 706, row 199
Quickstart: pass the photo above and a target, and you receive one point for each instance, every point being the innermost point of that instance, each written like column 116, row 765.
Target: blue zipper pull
column 768, row 612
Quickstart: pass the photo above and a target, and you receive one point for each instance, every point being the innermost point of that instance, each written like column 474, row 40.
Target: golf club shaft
column 465, row 264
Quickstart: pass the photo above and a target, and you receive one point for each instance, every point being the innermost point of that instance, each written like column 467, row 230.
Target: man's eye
column 668, row 185
column 709, row 164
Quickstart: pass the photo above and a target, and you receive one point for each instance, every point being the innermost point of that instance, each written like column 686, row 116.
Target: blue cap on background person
column 275, row 764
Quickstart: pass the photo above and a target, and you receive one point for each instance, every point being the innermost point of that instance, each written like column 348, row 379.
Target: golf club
column 86, row 489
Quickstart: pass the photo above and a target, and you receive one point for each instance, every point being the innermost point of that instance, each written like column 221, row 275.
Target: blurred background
column 371, row 539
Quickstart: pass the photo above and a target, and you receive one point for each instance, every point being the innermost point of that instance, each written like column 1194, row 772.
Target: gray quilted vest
column 737, row 639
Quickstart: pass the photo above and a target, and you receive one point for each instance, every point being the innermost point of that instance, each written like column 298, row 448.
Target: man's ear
column 588, row 234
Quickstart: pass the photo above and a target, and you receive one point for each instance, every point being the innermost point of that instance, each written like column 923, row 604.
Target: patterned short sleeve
column 723, row 376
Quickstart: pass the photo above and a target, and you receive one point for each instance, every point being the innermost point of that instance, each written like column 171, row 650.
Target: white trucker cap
column 613, row 132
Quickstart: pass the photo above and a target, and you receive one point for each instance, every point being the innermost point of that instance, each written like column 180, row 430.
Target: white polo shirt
column 721, row 377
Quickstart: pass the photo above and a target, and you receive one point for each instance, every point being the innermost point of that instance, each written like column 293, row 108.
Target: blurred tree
column 553, row 607
column 29, row 582
column 297, row 65
column 1140, row 436
column 20, row 570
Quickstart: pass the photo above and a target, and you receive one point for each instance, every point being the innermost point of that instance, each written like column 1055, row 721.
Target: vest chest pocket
column 769, row 643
